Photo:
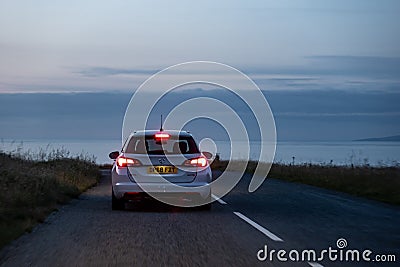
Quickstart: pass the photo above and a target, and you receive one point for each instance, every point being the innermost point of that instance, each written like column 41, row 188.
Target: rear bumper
column 202, row 189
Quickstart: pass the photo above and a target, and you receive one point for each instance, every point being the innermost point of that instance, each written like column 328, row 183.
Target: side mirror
column 208, row 155
column 114, row 155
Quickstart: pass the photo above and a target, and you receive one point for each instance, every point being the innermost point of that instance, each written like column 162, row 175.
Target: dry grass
column 377, row 183
column 31, row 189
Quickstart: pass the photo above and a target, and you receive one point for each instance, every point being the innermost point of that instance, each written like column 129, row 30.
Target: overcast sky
column 312, row 53
column 99, row 45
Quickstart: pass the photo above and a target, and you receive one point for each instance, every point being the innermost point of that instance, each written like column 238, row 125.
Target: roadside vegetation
column 376, row 183
column 33, row 185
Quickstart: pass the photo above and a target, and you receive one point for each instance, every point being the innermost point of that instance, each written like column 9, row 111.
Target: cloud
column 339, row 114
column 335, row 72
column 313, row 67
column 369, row 66
column 108, row 71
column 321, row 72
column 300, row 79
column 333, row 65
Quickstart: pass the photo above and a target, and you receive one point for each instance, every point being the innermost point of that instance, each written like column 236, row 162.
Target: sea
column 358, row 153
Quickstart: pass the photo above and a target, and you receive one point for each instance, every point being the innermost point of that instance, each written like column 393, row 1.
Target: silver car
column 166, row 165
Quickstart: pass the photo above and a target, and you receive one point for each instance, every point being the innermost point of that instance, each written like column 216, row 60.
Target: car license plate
column 162, row 170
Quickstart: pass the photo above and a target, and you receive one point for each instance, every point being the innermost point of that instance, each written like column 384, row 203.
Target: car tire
column 208, row 205
column 117, row 204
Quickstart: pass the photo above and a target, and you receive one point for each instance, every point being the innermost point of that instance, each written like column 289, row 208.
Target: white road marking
column 315, row 264
column 219, row 200
column 258, row 227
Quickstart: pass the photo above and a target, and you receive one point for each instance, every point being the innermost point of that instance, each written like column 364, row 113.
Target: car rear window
column 149, row 145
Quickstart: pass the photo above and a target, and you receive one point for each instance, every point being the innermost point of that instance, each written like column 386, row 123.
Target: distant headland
column 395, row 138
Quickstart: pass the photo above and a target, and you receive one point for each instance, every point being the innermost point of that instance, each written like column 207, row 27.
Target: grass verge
column 376, row 183
column 31, row 189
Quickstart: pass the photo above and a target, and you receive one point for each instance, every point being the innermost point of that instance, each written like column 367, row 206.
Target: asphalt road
column 279, row 215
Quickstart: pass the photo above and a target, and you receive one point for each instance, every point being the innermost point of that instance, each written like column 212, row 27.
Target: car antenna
column 161, row 129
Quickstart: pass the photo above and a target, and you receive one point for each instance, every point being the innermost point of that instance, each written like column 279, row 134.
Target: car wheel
column 117, row 204
column 208, row 205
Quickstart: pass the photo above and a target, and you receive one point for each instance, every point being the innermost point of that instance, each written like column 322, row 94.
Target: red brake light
column 197, row 162
column 125, row 162
column 162, row 136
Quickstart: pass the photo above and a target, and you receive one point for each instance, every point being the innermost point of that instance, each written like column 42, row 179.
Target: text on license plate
column 162, row 169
